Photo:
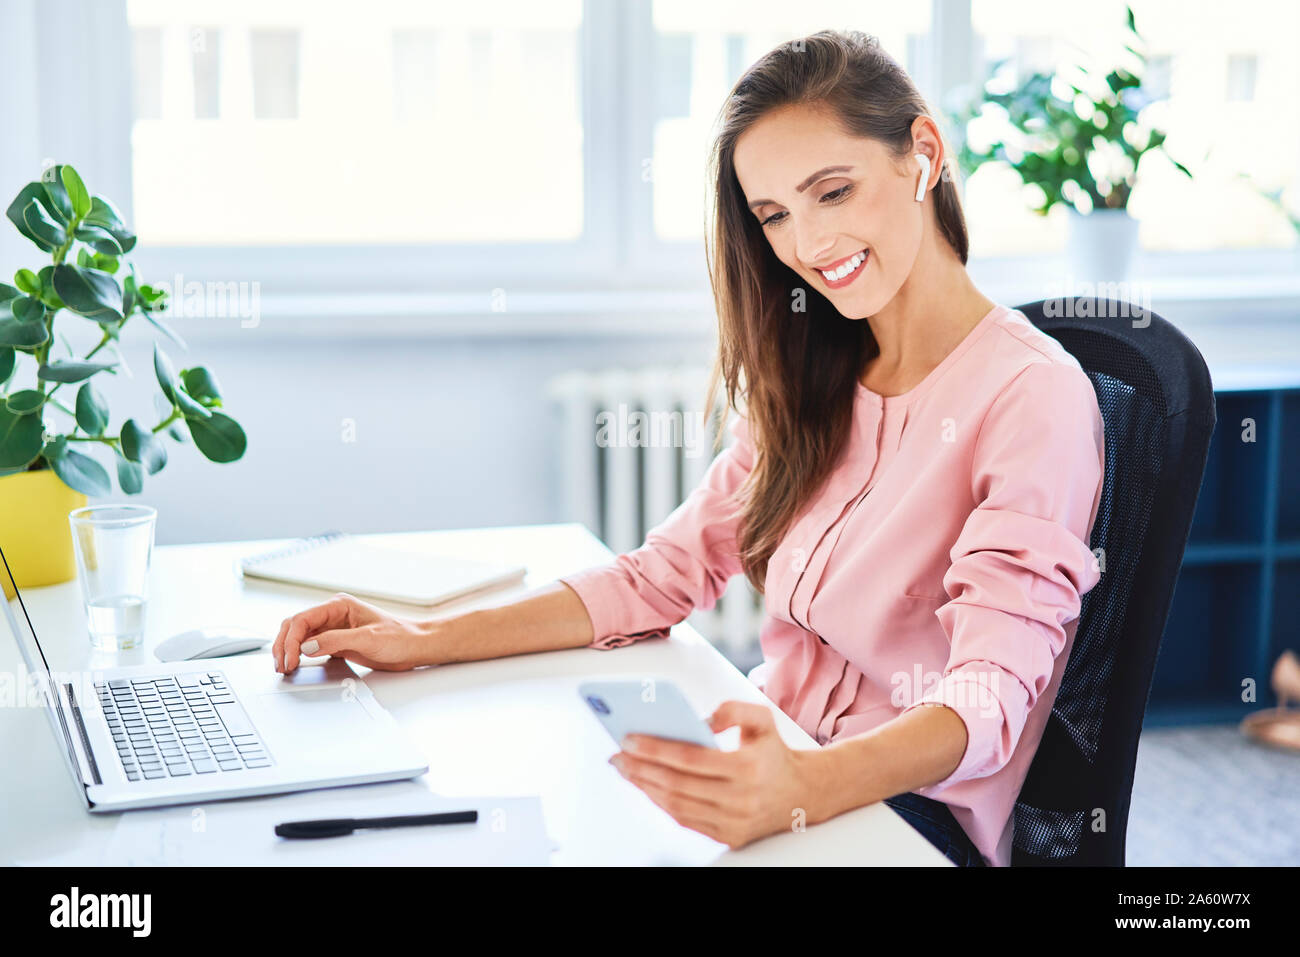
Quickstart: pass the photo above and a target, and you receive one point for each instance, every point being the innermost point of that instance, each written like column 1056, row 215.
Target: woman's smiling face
column 838, row 209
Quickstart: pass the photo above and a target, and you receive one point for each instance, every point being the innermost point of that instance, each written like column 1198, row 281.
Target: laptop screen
column 31, row 682
column 17, row 629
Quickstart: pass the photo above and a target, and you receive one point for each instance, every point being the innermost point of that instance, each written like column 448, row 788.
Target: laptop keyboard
column 179, row 726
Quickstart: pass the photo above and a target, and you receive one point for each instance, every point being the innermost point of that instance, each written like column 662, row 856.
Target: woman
column 912, row 486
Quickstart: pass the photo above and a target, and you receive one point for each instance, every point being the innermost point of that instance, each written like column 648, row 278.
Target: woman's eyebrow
column 826, row 171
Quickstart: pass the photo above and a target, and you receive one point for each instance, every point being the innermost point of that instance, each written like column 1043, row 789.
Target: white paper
column 71, row 857
column 509, row 831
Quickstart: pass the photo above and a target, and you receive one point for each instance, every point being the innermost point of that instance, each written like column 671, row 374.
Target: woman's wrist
column 914, row 750
column 438, row 640
column 840, row 780
column 820, row 772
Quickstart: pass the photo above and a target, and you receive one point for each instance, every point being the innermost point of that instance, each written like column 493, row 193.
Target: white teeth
column 833, row 275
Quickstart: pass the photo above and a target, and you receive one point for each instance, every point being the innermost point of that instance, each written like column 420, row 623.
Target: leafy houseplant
column 1079, row 141
column 61, row 217
column 43, row 426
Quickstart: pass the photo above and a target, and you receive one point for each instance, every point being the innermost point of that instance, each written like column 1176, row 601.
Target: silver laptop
column 153, row 735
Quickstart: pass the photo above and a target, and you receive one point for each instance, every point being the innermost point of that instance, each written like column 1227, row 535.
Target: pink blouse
column 943, row 561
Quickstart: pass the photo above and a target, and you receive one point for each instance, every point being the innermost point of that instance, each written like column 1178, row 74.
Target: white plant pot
column 1100, row 246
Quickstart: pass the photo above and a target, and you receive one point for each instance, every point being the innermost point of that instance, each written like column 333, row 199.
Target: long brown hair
column 797, row 371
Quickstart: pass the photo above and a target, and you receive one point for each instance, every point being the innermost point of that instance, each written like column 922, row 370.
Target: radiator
column 634, row 443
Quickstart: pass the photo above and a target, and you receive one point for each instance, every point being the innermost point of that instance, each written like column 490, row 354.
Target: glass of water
column 114, row 545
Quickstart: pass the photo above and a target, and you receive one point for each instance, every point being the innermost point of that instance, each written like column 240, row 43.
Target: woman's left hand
column 734, row 797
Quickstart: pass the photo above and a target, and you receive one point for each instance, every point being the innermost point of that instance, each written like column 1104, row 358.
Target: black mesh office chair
column 1155, row 396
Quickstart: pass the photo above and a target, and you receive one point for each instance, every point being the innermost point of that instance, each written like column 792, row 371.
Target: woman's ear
column 927, row 143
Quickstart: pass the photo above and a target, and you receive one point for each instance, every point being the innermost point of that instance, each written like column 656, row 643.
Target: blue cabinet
column 1236, row 606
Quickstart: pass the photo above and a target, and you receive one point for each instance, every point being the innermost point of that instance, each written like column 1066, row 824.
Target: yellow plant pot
column 34, row 530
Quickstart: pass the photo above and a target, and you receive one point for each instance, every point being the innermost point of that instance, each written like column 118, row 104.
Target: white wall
column 450, row 433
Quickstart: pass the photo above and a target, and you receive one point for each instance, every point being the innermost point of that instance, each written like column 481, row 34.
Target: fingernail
column 629, row 744
column 310, row 647
column 616, row 762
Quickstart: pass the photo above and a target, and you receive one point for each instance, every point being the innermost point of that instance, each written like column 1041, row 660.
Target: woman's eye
column 832, row 197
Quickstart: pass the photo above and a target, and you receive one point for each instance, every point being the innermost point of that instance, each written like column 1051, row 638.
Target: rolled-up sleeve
column 1022, row 562
column 685, row 563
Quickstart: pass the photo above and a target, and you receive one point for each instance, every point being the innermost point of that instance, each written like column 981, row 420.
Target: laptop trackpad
column 315, row 723
column 315, row 706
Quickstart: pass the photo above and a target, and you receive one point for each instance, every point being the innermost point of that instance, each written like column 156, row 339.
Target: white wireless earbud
column 924, row 162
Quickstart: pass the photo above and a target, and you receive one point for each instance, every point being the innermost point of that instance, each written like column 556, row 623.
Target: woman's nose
column 812, row 245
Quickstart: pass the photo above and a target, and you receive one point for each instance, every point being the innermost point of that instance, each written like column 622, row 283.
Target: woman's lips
column 861, row 258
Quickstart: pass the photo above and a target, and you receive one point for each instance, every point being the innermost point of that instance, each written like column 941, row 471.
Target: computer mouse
column 209, row 643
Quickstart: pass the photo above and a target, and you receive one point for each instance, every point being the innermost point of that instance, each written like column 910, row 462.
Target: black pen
column 338, row 827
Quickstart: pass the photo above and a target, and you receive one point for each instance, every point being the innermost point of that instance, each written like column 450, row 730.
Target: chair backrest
column 1155, row 395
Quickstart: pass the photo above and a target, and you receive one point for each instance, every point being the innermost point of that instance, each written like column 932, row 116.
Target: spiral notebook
column 338, row 562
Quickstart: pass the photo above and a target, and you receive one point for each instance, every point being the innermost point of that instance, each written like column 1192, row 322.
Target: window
column 205, row 52
column 701, row 49
column 275, row 74
column 314, row 123
column 146, row 62
column 1241, row 77
column 431, row 148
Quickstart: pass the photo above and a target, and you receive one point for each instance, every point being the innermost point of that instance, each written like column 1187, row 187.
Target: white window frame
column 619, row 271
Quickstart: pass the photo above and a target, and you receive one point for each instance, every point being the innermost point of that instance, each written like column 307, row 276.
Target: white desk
column 510, row 726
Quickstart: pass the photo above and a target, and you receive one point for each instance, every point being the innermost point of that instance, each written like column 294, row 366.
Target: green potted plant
column 52, row 413
column 1080, row 139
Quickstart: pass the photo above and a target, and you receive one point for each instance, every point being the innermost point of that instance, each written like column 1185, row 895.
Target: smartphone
column 650, row 706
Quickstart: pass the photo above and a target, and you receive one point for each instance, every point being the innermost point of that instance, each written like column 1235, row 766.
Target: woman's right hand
column 346, row 627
